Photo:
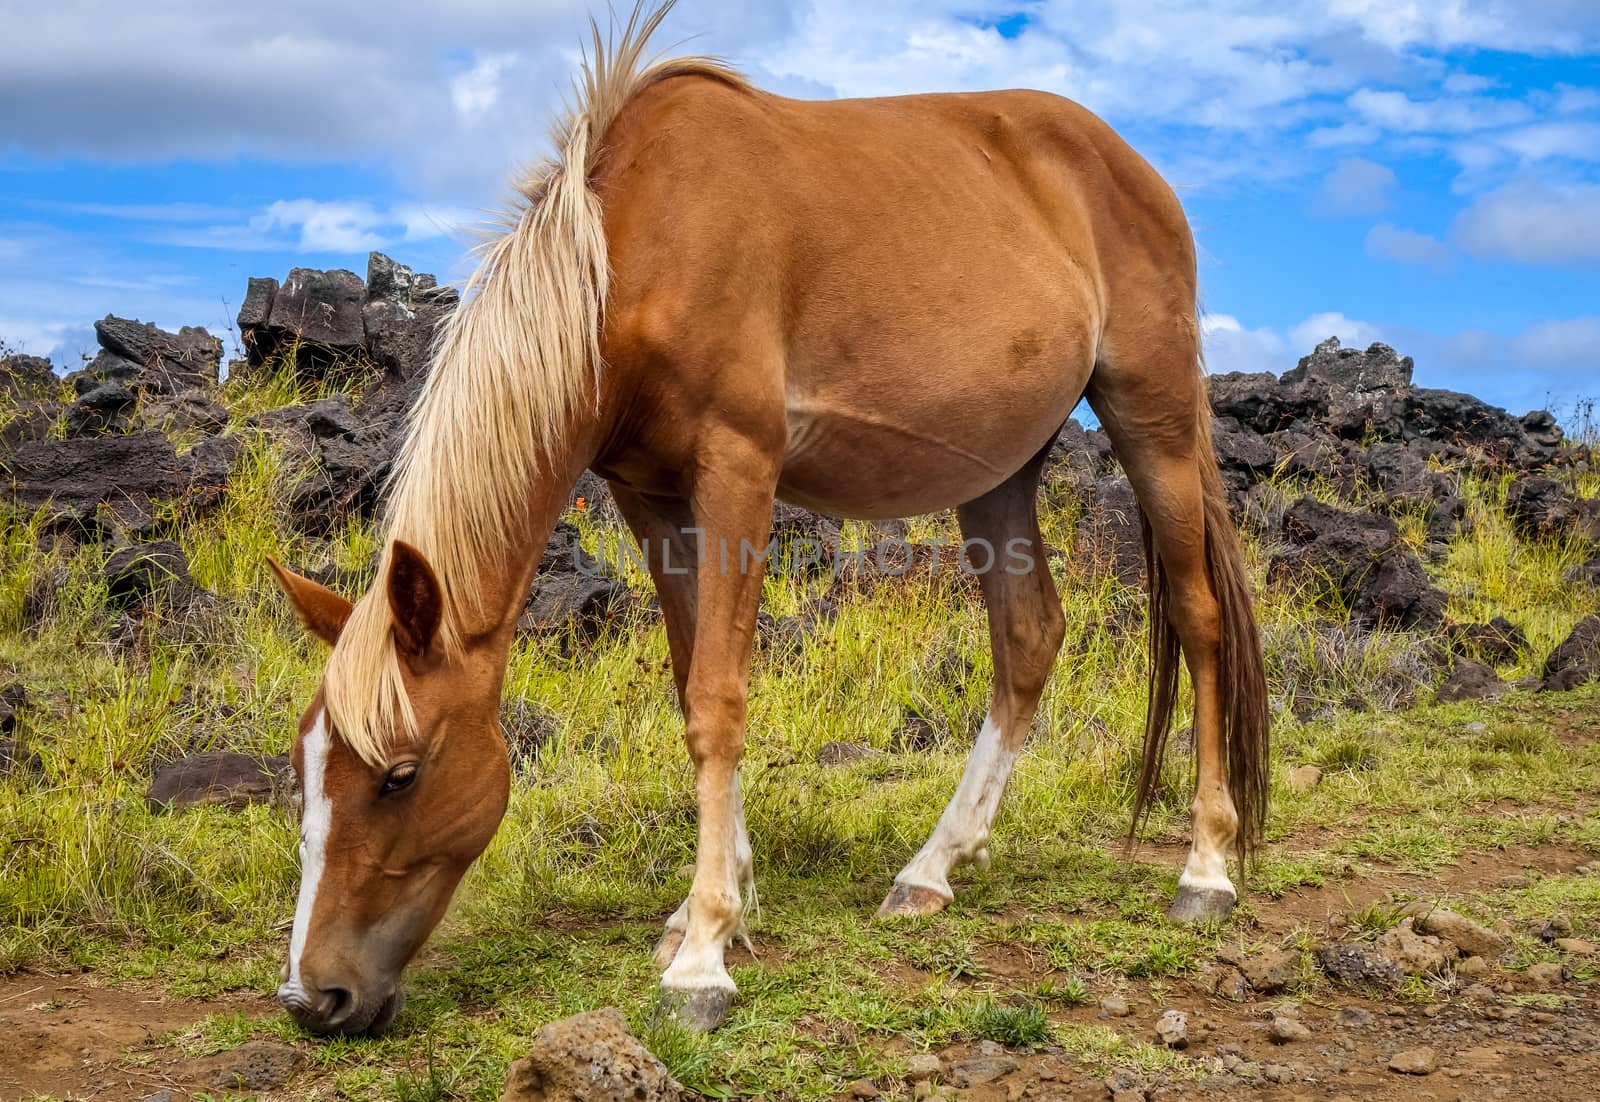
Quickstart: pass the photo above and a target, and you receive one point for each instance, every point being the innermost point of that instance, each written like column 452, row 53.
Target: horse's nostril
column 334, row 1005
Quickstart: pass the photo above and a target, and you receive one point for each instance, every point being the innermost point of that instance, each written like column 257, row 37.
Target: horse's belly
column 890, row 461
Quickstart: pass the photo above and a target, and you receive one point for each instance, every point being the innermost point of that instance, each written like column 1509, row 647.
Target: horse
column 714, row 297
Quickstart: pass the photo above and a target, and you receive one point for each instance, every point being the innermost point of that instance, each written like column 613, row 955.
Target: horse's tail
column 1241, row 672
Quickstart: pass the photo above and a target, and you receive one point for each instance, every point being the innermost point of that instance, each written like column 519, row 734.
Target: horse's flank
column 510, row 370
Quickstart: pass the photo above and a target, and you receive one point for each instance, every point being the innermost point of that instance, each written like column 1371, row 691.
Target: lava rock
column 589, row 1058
column 122, row 475
column 1304, row 778
column 105, row 409
column 1541, row 508
column 401, row 314
column 1576, row 660
column 1497, row 643
column 256, row 1066
column 983, row 1068
column 316, row 312
column 144, row 571
column 1286, row 1030
column 1272, row 971
column 1413, row 953
column 219, row 778
column 191, row 412
column 165, row 363
column 1110, row 530
column 1172, row 1029
column 1470, row 680
column 26, row 377
column 1355, row 963
column 1360, row 556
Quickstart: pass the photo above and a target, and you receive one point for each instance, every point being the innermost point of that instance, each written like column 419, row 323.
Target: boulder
column 401, row 313
column 225, row 779
column 104, row 409
column 150, row 571
column 1354, row 392
column 1577, row 660
column 183, row 414
column 589, row 1058
column 1079, row 456
column 1586, row 573
column 102, row 483
column 1497, row 643
column 25, row 377
column 1541, row 508
column 15, row 756
column 1404, row 477
column 1110, row 531
column 1470, row 680
column 317, row 312
column 29, row 420
column 164, row 363
column 1358, row 558
column 342, row 459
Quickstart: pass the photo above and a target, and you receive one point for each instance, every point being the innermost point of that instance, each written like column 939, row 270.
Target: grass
column 560, row 914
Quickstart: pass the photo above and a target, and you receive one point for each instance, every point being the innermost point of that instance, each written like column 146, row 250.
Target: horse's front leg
column 732, row 512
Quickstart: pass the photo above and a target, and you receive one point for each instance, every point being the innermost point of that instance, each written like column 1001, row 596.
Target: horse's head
column 391, row 816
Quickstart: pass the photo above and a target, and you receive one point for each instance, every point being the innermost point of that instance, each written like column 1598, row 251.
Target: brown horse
column 714, row 296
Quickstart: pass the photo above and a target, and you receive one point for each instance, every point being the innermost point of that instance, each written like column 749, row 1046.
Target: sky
column 1421, row 172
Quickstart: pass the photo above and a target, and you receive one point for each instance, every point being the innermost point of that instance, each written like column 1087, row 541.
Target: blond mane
column 511, row 368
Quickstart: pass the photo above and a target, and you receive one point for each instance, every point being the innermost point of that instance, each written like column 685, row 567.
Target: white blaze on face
column 315, row 817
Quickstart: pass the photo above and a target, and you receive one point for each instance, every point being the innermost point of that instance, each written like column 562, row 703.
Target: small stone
column 1124, row 1084
column 1355, row 1015
column 1304, row 778
column 1115, row 1006
column 1270, row 972
column 1226, row 982
column 590, row 1056
column 1477, row 727
column 1479, row 992
column 844, row 753
column 1470, row 937
column 1277, row 1073
column 1471, row 967
column 1414, row 1061
column 1574, row 946
column 1558, row 926
column 159, row 1096
column 923, row 1066
column 1356, row 963
column 256, row 1066
column 1172, row 1029
column 864, row 1088
column 1285, row 1031
column 981, row 1069
column 1542, row 977
column 1415, row 954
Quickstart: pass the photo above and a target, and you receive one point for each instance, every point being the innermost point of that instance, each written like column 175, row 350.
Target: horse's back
column 924, row 278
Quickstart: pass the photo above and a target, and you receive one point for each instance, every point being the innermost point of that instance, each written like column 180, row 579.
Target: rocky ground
column 1421, row 928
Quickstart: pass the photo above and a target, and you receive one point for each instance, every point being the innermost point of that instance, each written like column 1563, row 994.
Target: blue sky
column 1424, row 172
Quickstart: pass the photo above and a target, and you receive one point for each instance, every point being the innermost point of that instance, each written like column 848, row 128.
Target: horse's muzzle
column 336, row 1010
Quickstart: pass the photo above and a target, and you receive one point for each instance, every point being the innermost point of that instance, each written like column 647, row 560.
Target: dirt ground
column 67, row 1037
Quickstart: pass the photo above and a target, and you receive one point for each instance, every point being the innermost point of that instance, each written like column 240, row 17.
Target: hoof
column 1201, row 905
column 667, row 948
column 700, row 1009
column 912, row 901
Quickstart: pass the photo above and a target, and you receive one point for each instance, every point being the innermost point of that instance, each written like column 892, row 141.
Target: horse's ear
column 320, row 609
column 415, row 599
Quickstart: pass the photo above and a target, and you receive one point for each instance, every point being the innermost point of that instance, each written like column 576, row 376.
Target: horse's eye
column 399, row 778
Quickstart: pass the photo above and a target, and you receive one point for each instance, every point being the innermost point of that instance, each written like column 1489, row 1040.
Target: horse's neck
column 504, row 582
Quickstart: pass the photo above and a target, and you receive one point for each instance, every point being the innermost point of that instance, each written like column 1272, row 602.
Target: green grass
column 560, row 913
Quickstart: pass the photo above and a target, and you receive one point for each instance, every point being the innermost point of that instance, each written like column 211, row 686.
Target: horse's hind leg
column 1005, row 548
column 1151, row 400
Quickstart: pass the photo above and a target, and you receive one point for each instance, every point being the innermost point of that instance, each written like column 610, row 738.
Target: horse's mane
column 510, row 369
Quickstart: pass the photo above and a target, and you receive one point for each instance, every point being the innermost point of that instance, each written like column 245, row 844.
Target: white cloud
column 1567, row 346
column 1319, row 327
column 1358, row 186
column 1533, row 223
column 1229, row 346
column 1456, row 115
column 477, row 90
column 1578, row 141
column 1388, row 242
